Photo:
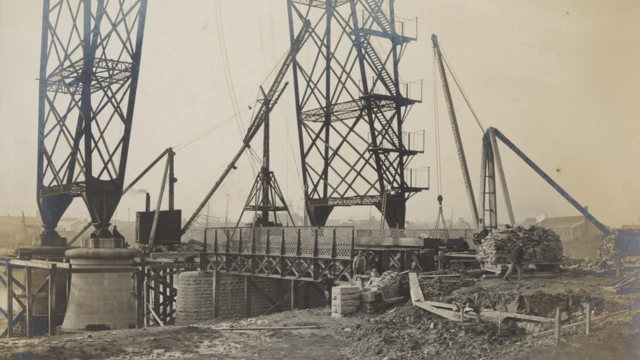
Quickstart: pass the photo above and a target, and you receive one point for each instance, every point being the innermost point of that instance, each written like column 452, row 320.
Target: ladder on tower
column 383, row 208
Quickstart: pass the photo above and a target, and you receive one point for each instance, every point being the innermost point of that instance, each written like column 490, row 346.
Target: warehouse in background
column 580, row 238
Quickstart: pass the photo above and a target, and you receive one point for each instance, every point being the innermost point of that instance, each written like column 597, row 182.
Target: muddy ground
column 403, row 332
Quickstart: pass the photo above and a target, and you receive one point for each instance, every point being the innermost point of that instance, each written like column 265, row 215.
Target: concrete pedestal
column 101, row 301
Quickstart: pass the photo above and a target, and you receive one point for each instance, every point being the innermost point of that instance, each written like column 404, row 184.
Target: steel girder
column 89, row 66
column 350, row 107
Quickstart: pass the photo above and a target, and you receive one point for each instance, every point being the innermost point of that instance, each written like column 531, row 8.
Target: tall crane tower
column 351, row 106
column 89, row 68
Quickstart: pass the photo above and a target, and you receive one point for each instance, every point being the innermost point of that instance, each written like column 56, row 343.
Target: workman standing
column 359, row 264
column 328, row 285
column 516, row 259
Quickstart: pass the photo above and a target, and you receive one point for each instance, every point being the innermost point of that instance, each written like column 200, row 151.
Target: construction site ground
column 401, row 332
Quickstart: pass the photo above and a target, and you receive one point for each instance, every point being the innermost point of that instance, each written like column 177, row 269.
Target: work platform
column 299, row 253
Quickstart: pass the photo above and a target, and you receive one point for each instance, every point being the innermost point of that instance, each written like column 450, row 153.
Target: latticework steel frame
column 296, row 253
column 90, row 61
column 351, row 107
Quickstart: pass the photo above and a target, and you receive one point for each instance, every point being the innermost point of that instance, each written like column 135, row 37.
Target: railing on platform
column 443, row 234
column 301, row 253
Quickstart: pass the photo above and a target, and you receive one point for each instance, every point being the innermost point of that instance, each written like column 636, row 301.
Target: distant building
column 580, row 238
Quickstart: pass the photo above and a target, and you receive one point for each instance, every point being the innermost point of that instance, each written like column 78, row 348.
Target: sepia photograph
column 320, row 179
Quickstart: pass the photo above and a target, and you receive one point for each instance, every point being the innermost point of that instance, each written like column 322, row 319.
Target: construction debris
column 625, row 285
column 541, row 246
column 387, row 284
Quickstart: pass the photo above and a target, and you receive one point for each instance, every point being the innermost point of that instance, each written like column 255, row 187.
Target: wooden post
column 140, row 302
column 203, row 256
column 146, row 300
column 253, row 251
column 165, row 295
column 293, row 294
column 52, row 299
column 29, row 312
column 172, row 297
column 156, row 291
column 557, row 325
column 315, row 255
column 588, row 330
column 9, row 300
column 618, row 267
column 247, row 296
column 216, row 292
column 279, row 291
column 499, row 322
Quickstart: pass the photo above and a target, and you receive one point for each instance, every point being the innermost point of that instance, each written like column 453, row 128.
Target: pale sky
column 558, row 77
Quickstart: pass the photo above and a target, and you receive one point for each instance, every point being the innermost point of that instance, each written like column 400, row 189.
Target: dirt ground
column 402, row 332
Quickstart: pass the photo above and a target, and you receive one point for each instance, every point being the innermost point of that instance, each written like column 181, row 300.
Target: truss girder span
column 89, row 65
column 351, row 106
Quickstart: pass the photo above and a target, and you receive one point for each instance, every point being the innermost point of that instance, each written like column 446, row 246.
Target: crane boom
column 267, row 104
column 456, row 131
column 549, row 180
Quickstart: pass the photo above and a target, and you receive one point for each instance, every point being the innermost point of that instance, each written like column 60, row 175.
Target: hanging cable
column 464, row 94
column 204, row 133
column 228, row 76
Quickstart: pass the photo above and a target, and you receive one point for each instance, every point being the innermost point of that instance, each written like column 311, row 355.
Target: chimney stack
column 148, row 203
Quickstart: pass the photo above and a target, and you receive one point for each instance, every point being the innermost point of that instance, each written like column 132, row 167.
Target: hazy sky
column 559, row 77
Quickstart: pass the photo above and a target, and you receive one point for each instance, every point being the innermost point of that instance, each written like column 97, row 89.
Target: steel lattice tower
column 90, row 61
column 351, row 106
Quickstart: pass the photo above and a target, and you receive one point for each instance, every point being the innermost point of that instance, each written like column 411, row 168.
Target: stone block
column 346, row 290
column 369, row 296
column 346, row 297
column 346, row 303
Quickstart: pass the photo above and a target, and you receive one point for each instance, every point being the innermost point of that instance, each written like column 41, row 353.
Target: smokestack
column 147, row 202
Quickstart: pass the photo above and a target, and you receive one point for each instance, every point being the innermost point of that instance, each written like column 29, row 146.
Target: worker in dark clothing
column 379, row 268
column 328, row 285
column 516, row 258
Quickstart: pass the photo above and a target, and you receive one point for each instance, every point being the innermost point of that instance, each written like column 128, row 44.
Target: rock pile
column 540, row 245
column 619, row 241
column 388, row 284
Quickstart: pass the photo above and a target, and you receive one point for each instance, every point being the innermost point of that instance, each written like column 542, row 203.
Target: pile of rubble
column 540, row 245
column 387, row 284
column 619, row 241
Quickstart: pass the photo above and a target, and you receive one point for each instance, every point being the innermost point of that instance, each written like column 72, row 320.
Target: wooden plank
column 155, row 316
column 263, row 293
column 100, row 270
column 441, row 312
column 310, row 327
column 416, row 292
column 28, row 263
column 491, row 314
column 439, row 276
